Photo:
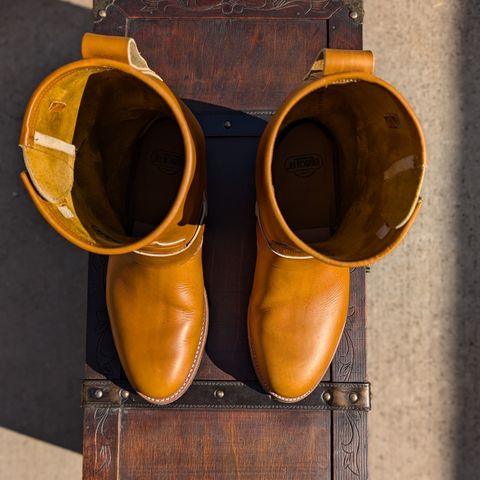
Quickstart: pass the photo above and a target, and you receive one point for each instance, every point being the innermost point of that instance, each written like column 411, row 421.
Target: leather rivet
column 219, row 393
column 353, row 15
column 102, row 13
column 98, row 393
column 353, row 397
column 327, row 396
column 124, row 394
column 227, row 124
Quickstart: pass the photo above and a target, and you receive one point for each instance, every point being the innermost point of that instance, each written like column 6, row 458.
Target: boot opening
column 130, row 158
column 347, row 169
column 108, row 155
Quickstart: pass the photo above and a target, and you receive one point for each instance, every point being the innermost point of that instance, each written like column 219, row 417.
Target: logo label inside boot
column 303, row 165
column 169, row 163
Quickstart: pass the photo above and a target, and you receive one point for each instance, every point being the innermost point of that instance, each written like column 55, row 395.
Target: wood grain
column 244, row 64
column 225, row 445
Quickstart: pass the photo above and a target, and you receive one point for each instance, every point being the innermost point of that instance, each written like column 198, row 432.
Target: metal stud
column 327, row 396
column 353, row 397
column 98, row 393
column 227, row 124
column 102, row 13
column 124, row 394
column 219, row 393
column 354, row 15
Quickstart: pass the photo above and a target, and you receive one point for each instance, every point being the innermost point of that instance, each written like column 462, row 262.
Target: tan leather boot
column 116, row 164
column 339, row 172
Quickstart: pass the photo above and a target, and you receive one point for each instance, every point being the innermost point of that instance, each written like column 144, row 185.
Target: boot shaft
column 82, row 132
column 378, row 156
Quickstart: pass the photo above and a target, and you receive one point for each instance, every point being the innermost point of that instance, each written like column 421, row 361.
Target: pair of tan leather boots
column 338, row 178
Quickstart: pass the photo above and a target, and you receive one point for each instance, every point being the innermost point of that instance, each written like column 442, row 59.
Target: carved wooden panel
column 278, row 8
column 349, row 430
column 349, row 364
column 349, row 445
column 100, row 443
column 318, row 9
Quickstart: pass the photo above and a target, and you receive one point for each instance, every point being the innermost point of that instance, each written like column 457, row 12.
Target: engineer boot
column 116, row 165
column 339, row 172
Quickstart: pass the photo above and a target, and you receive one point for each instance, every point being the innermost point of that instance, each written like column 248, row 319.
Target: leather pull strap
column 331, row 62
column 120, row 49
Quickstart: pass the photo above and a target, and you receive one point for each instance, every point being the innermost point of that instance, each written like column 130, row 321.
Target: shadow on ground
column 43, row 278
column 467, row 390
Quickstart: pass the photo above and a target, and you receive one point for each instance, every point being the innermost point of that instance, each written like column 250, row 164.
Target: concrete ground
column 423, row 300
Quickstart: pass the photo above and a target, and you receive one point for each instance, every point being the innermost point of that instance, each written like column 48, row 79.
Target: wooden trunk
column 233, row 61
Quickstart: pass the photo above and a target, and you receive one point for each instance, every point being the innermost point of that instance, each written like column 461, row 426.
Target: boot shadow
column 228, row 255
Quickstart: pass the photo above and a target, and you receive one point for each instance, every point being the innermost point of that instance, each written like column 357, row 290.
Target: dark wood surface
column 240, row 444
column 232, row 56
column 242, row 54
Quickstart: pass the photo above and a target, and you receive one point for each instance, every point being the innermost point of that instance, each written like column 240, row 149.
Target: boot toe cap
column 167, row 380
column 164, row 377
column 286, row 379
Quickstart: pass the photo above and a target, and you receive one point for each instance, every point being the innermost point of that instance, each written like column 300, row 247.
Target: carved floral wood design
column 321, row 9
column 229, row 7
column 351, row 447
column 346, row 350
column 103, row 450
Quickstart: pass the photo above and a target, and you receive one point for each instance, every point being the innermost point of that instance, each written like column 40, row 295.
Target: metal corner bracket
column 100, row 9
column 355, row 7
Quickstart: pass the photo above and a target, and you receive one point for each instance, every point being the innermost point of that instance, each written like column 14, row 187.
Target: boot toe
column 295, row 322
column 286, row 375
column 165, row 382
